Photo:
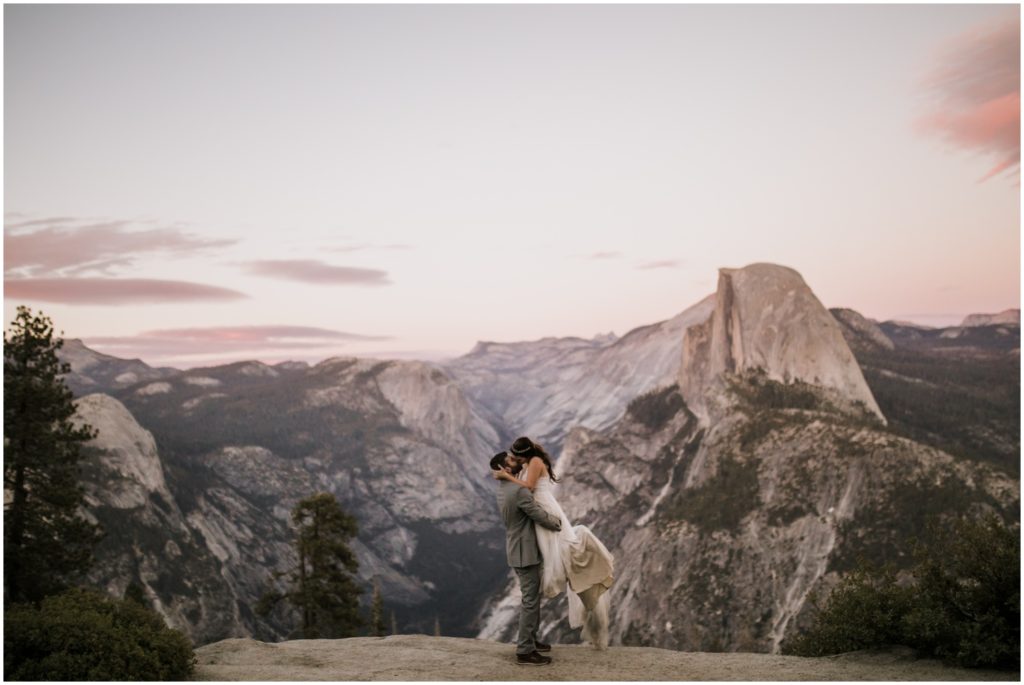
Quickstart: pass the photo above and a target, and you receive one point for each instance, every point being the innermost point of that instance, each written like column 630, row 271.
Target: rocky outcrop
column 762, row 478
column 721, row 532
column 860, row 331
column 398, row 443
column 544, row 388
column 446, row 659
column 767, row 318
column 1007, row 316
column 147, row 538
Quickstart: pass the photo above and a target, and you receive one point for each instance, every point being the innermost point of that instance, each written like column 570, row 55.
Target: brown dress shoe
column 532, row 659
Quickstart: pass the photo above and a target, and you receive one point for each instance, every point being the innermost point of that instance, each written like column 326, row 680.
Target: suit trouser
column 529, row 614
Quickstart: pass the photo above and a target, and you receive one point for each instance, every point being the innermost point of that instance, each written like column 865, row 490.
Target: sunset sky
column 199, row 184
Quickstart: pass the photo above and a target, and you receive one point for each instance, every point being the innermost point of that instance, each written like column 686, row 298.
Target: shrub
column 968, row 611
column 82, row 634
column 864, row 610
column 964, row 606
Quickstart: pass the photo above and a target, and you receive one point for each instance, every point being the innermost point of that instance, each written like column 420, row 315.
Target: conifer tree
column 377, row 611
column 322, row 586
column 437, row 627
column 47, row 545
column 394, row 624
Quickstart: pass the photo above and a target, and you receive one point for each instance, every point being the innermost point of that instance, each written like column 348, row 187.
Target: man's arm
column 525, row 501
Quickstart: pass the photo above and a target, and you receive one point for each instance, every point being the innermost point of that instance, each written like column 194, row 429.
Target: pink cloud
column 113, row 291
column 605, row 255
column 975, row 94
column 221, row 344
column 256, row 334
column 59, row 249
column 662, row 264
column 314, row 271
column 368, row 246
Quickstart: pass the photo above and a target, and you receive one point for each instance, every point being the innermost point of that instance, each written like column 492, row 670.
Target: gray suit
column 520, row 511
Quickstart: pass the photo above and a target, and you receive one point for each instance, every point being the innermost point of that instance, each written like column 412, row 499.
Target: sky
column 199, row 184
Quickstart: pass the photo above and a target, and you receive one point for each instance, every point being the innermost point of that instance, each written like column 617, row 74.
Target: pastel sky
column 197, row 184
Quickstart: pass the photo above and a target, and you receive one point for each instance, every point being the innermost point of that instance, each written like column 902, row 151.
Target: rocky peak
column 767, row 318
column 128, row 450
column 1007, row 316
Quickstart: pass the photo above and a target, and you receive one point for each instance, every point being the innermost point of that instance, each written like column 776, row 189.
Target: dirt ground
column 420, row 657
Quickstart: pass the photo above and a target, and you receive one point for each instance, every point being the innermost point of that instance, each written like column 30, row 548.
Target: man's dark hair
column 498, row 461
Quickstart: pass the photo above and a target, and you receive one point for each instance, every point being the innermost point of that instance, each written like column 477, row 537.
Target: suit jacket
column 519, row 511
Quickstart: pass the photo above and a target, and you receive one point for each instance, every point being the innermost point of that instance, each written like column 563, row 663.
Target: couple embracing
column 547, row 552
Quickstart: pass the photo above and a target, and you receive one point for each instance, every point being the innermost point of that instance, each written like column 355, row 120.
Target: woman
column 573, row 555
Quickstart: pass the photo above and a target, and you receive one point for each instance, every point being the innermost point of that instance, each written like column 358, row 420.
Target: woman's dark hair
column 524, row 447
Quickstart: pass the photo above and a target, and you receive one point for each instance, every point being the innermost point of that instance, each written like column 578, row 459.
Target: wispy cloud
column 316, row 272
column 367, row 246
column 660, row 264
column 975, row 90
column 67, row 246
column 113, row 291
column 604, row 255
column 229, row 343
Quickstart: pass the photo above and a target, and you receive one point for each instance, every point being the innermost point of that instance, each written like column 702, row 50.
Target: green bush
column 968, row 611
column 865, row 610
column 81, row 634
column 963, row 606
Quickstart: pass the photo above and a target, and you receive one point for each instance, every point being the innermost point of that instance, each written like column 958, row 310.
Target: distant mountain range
column 734, row 457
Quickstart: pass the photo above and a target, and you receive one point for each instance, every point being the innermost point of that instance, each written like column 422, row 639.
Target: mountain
column 1007, row 316
column 760, row 477
column 861, row 332
column 767, row 318
column 956, row 389
column 92, row 371
column 148, row 538
column 397, row 442
column 545, row 387
column 735, row 458
column 971, row 341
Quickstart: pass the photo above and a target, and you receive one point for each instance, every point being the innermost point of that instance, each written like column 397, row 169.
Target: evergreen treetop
column 46, row 543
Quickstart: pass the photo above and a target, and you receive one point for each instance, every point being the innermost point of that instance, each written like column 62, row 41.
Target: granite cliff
column 757, row 479
column 206, row 492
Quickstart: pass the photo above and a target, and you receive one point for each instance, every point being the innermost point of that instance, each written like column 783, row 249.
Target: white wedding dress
column 575, row 557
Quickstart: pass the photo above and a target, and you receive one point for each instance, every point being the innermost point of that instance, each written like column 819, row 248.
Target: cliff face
column 860, row 332
column 767, row 318
column 544, row 388
column 720, row 533
column 148, row 538
column 733, row 458
column 762, row 477
column 240, row 445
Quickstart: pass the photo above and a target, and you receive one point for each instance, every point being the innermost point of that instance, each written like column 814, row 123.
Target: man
column 520, row 511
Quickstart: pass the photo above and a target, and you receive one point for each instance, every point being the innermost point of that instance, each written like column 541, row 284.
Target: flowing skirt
column 574, row 557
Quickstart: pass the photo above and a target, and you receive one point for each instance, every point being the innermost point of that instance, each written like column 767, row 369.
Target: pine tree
column 322, row 586
column 47, row 545
column 437, row 627
column 377, row 611
column 394, row 624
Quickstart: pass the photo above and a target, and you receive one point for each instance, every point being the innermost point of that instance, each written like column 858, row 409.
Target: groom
column 520, row 511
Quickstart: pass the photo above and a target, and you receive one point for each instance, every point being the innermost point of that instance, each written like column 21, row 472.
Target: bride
column 572, row 556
